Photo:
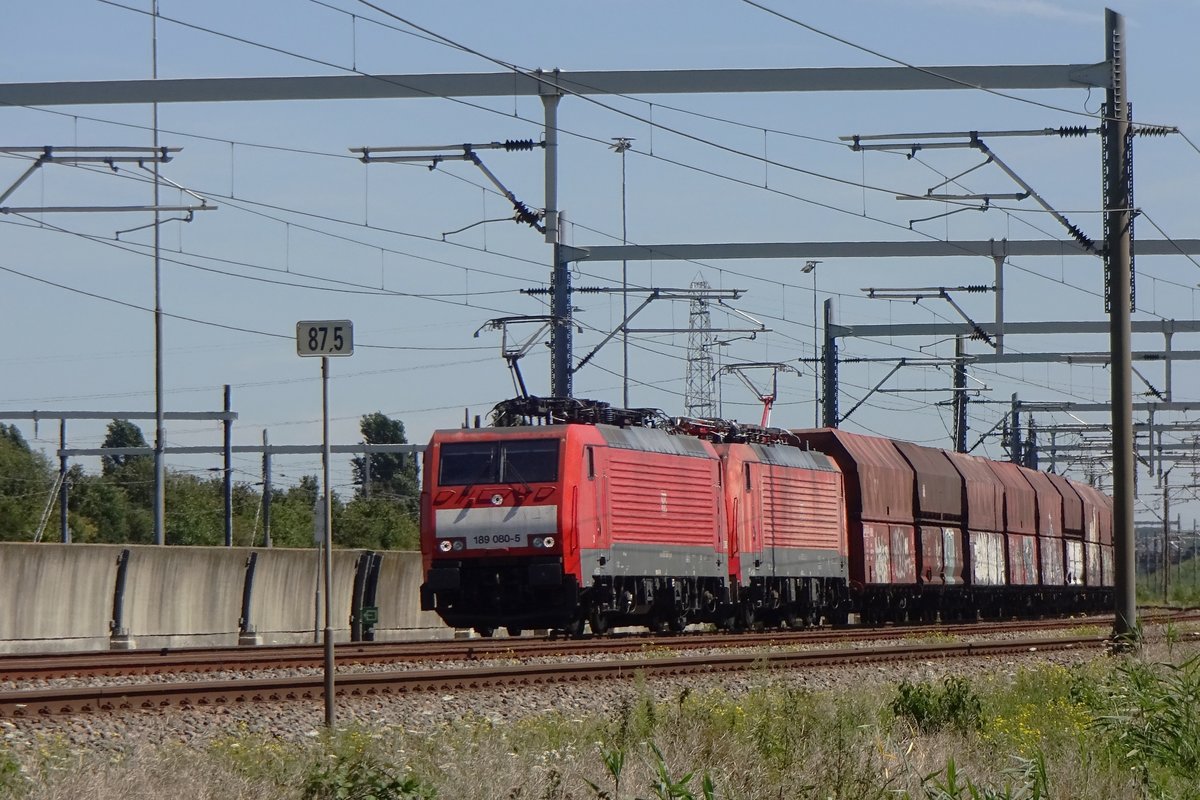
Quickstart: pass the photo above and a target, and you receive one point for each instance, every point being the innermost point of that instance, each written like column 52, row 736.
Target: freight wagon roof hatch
column 1049, row 503
column 938, row 487
column 982, row 490
column 1020, row 512
column 878, row 480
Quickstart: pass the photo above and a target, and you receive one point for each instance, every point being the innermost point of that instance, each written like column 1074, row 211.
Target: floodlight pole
column 160, row 480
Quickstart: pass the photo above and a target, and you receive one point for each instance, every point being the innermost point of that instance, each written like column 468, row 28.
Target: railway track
column 195, row 660
column 16, row 667
column 161, row 696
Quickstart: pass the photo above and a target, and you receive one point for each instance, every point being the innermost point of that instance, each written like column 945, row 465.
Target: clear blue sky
column 303, row 231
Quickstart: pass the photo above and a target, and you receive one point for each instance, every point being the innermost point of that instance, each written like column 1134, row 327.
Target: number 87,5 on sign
column 325, row 337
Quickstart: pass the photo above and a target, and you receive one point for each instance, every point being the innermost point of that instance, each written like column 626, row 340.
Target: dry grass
column 1034, row 736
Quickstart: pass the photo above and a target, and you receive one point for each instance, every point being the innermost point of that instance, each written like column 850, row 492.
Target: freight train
column 570, row 514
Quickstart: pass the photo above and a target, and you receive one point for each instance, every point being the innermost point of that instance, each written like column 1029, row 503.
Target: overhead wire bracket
column 421, row 154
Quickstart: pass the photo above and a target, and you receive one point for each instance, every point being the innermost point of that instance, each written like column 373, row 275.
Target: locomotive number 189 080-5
column 491, row 540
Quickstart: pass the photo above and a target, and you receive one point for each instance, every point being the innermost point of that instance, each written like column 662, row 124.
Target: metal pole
column 1166, row 540
column 1014, row 442
column 159, row 434
column 328, row 544
column 816, row 354
column 960, row 396
column 999, row 335
column 624, row 286
column 63, row 491
column 266, row 496
column 366, row 473
column 228, row 483
column 1119, row 247
column 829, row 400
column 560, row 278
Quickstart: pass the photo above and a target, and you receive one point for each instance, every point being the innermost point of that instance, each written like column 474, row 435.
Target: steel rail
column 17, row 667
column 159, row 696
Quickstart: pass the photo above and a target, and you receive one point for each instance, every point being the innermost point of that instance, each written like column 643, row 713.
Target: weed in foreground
column 1153, row 717
column 930, row 707
column 13, row 780
column 1027, row 781
column 362, row 778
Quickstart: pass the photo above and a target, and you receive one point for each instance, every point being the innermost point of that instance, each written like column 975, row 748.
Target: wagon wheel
column 677, row 622
column 513, row 630
column 485, row 631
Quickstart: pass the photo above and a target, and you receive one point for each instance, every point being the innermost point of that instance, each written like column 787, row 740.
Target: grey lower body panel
column 627, row 559
column 793, row 562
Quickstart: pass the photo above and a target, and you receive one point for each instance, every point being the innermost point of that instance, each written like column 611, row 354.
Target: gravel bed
column 422, row 713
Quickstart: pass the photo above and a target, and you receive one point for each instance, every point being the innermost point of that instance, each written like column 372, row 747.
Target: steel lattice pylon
column 698, row 392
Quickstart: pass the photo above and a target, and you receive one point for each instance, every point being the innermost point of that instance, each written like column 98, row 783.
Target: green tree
column 133, row 474
column 375, row 523
column 122, row 433
column 292, row 513
column 25, row 481
column 100, row 511
column 393, row 475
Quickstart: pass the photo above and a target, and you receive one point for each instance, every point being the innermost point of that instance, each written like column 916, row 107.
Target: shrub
column 361, row 777
column 931, row 707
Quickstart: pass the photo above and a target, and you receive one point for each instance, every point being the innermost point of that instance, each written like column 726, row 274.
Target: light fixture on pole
column 621, row 145
column 811, row 266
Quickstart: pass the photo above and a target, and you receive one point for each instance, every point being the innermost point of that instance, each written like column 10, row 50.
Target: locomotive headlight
column 536, row 541
column 458, row 544
column 548, row 541
column 444, row 545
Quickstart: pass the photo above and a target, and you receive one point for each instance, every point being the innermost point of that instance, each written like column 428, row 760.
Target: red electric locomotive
column 551, row 525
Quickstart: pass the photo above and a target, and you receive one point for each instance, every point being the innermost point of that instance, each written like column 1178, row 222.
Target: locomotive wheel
column 574, row 628
column 677, row 623
column 484, row 631
column 598, row 620
column 749, row 618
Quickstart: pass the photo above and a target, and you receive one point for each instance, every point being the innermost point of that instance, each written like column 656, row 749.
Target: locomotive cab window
column 529, row 461
column 520, row 461
column 462, row 464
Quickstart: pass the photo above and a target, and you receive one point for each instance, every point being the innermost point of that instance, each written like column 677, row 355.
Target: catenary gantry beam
column 919, row 249
column 510, row 84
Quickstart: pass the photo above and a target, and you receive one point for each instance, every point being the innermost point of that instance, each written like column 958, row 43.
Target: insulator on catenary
column 1074, row 130
column 513, row 145
column 1081, row 237
column 1153, row 130
column 524, row 214
column 978, row 287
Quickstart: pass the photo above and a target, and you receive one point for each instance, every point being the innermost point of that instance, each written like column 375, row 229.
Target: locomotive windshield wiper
column 511, row 467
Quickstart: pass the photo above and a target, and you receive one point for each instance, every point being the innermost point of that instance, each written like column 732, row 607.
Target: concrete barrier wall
column 55, row 596
column 61, row 597
column 175, row 595
column 399, row 596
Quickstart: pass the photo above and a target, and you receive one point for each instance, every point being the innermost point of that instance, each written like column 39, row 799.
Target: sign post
column 326, row 338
